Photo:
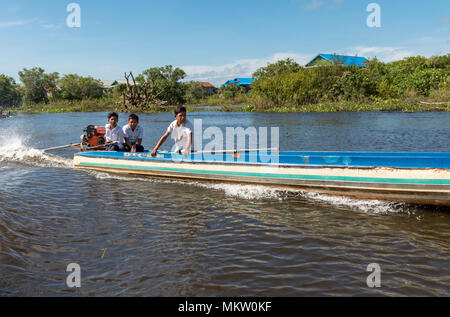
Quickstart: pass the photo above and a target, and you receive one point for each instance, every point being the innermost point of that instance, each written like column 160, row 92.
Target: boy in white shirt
column 114, row 133
column 181, row 130
column 133, row 134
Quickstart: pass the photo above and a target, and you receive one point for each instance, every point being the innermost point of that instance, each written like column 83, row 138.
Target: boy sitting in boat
column 114, row 133
column 181, row 130
column 133, row 134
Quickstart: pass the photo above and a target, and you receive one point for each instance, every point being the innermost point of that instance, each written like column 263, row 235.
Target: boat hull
column 415, row 185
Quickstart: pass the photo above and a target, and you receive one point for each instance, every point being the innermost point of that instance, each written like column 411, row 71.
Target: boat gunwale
column 240, row 163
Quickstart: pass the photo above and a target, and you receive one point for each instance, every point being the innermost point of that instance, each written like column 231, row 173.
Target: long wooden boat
column 422, row 178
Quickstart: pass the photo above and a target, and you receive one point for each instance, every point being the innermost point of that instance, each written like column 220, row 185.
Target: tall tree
column 165, row 83
column 37, row 83
column 279, row 68
column 231, row 90
column 195, row 91
column 74, row 87
column 9, row 94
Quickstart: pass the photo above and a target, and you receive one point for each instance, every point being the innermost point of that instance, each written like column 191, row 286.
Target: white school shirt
column 116, row 135
column 179, row 134
column 133, row 136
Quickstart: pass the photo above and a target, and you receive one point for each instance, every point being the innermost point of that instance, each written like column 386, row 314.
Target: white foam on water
column 248, row 192
column 259, row 192
column 13, row 149
column 371, row 206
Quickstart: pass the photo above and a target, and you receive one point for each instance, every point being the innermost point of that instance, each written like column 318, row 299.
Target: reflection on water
column 150, row 237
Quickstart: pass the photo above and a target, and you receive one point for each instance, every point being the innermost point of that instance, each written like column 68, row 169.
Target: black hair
column 133, row 116
column 113, row 114
column 179, row 109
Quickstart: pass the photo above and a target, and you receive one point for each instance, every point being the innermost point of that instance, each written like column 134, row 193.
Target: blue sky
column 211, row 40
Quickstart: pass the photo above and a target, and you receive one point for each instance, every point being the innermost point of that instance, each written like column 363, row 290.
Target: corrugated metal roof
column 206, row 84
column 240, row 81
column 346, row 60
column 112, row 83
column 245, row 81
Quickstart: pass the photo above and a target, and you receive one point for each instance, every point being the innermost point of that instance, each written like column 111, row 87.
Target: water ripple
column 136, row 236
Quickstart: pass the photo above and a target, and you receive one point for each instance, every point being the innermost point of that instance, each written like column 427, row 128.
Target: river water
column 137, row 236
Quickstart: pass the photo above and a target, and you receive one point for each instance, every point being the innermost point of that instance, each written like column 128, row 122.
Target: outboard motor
column 93, row 137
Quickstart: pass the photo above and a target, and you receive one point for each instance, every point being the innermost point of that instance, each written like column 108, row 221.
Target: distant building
column 111, row 83
column 210, row 89
column 243, row 82
column 329, row 59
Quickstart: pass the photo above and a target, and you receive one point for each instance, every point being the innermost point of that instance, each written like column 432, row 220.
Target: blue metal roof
column 240, row 81
column 346, row 60
column 245, row 81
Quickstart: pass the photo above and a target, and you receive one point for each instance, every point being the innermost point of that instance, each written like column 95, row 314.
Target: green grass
column 89, row 105
column 378, row 105
column 220, row 104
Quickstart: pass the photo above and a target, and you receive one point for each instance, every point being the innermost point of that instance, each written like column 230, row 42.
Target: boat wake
column 13, row 149
column 260, row 192
column 254, row 192
column 370, row 206
column 248, row 192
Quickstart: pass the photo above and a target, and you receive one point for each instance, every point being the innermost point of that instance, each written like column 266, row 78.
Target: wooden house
column 330, row 59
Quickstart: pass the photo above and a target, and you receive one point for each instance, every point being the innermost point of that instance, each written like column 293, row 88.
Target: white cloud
column 16, row 23
column 383, row 53
column 315, row 4
column 217, row 75
column 398, row 56
column 376, row 49
column 50, row 26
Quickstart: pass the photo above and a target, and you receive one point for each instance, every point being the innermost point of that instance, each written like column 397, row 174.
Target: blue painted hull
column 299, row 158
column 422, row 178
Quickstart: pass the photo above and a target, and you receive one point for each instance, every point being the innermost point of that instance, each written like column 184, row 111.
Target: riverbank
column 348, row 107
column 88, row 105
column 104, row 105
